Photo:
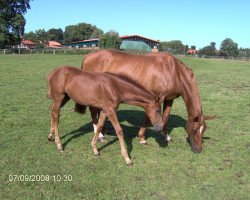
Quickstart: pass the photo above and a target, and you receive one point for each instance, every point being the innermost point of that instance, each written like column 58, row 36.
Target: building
column 87, row 44
column 93, row 43
column 26, row 44
column 192, row 51
column 152, row 43
column 54, row 45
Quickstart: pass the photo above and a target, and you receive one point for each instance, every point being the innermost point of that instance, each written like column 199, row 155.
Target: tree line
column 12, row 24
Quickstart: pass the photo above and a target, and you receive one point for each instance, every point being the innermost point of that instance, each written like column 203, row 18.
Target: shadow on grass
column 134, row 119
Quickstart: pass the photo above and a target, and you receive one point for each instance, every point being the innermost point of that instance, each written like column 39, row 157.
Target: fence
column 45, row 51
column 221, row 57
column 74, row 51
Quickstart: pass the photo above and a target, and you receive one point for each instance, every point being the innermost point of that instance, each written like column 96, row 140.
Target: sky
column 194, row 22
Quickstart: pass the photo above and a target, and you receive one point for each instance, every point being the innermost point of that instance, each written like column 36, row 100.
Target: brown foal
column 102, row 91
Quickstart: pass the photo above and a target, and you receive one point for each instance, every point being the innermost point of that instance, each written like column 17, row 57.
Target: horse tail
column 80, row 108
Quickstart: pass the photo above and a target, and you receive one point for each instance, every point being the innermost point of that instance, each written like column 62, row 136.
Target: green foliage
column 160, row 171
column 193, row 47
column 55, row 34
column 135, row 45
column 81, row 31
column 110, row 40
column 209, row 50
column 12, row 21
column 229, row 48
column 244, row 52
column 174, row 46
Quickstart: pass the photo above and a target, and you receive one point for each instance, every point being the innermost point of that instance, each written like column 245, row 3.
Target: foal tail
column 80, row 108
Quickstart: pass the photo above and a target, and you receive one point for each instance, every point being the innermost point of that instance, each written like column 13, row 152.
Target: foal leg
column 94, row 115
column 55, row 113
column 143, row 129
column 99, row 127
column 113, row 119
column 167, row 107
column 52, row 131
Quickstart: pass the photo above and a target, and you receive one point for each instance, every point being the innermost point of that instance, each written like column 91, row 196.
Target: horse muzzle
column 158, row 127
column 195, row 149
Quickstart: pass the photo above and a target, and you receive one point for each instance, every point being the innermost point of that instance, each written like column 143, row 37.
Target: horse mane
column 126, row 78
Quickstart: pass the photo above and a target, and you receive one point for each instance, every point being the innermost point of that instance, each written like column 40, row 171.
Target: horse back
column 157, row 72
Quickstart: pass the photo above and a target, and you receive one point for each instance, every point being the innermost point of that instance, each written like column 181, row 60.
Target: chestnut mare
column 161, row 74
column 103, row 91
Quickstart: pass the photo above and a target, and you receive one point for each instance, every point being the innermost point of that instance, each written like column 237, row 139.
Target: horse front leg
column 143, row 130
column 94, row 115
column 119, row 132
column 99, row 127
column 167, row 105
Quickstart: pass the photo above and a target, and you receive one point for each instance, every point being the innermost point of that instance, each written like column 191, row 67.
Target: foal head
column 153, row 111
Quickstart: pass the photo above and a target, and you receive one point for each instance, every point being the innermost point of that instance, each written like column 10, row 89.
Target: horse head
column 195, row 128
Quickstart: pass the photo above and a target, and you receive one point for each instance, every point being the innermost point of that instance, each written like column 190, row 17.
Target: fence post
column 54, row 51
column 4, row 51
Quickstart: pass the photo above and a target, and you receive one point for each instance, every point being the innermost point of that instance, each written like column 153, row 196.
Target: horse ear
column 207, row 117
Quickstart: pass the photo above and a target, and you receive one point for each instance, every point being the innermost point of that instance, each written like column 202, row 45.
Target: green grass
column 221, row 171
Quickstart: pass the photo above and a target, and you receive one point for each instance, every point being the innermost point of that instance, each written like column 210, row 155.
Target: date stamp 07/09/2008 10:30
column 39, row 178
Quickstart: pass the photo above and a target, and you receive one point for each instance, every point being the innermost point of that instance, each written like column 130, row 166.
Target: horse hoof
column 169, row 141
column 130, row 164
column 60, row 147
column 97, row 153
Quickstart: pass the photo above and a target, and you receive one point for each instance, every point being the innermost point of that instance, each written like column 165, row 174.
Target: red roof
column 27, row 42
column 192, row 51
column 54, row 43
column 129, row 36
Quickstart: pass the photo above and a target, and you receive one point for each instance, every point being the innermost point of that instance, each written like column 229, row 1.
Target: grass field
column 160, row 171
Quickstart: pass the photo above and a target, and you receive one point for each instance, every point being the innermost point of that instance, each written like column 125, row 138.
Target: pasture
column 32, row 168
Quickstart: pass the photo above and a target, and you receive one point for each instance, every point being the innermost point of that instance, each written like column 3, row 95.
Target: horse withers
column 102, row 91
column 162, row 74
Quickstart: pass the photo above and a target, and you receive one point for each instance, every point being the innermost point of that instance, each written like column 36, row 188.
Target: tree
column 55, row 34
column 110, row 40
column 209, row 50
column 12, row 21
column 81, row 31
column 229, row 48
column 174, row 46
column 193, row 47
